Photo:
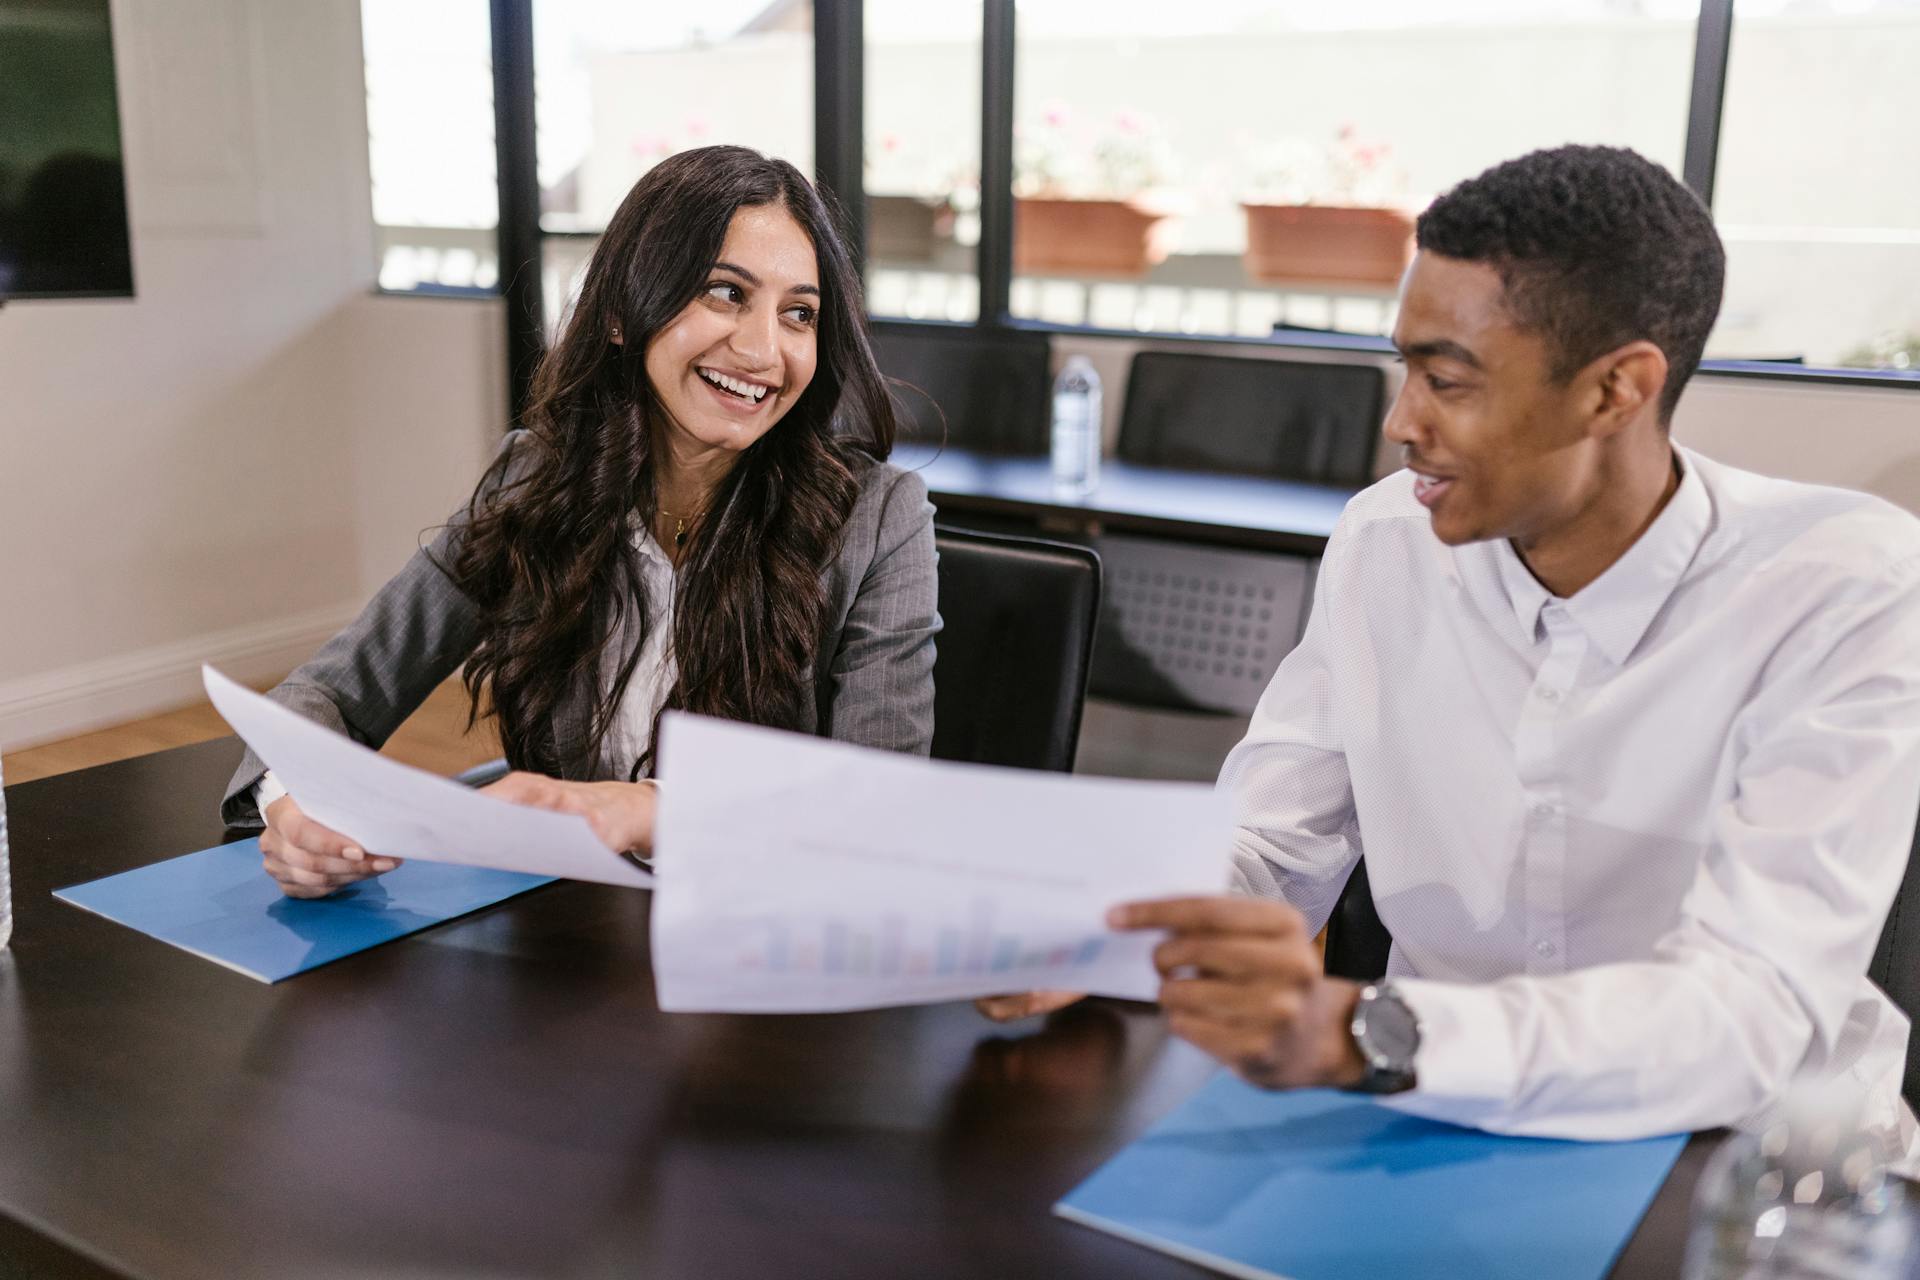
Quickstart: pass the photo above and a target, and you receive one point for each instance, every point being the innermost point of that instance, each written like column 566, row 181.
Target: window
column 622, row 84
column 1224, row 166
column 1816, row 194
column 922, row 159
column 430, row 150
column 1216, row 168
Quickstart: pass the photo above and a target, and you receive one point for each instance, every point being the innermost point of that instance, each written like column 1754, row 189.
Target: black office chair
column 1357, row 944
column 1895, row 967
column 1010, row 677
column 961, row 387
column 1316, row 421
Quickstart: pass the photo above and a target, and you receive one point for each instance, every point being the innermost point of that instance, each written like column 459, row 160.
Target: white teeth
column 750, row 390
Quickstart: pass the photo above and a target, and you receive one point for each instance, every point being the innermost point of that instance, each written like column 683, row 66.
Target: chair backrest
column 1010, row 677
column 1283, row 419
column 1895, row 967
column 966, row 388
column 1357, row 943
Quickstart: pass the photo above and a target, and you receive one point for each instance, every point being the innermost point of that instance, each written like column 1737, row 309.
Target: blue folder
column 1318, row 1184
column 221, row 906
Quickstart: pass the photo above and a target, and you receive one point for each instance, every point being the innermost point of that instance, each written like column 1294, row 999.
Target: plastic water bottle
column 6, row 874
column 1808, row 1197
column 1076, row 429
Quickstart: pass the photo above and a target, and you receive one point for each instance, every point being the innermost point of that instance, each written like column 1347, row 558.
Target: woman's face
column 736, row 358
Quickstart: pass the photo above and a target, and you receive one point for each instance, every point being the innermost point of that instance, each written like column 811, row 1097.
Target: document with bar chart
column 800, row 874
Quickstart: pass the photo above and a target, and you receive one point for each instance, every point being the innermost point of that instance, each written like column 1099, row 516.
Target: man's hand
column 1025, row 1004
column 620, row 813
column 309, row 860
column 1241, row 980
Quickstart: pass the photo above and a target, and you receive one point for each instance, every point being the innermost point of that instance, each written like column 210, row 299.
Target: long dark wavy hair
column 547, row 555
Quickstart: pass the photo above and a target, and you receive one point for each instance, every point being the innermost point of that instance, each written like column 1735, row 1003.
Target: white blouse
column 653, row 674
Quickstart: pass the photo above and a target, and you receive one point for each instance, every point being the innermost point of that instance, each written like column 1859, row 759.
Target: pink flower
column 1129, row 122
column 697, row 128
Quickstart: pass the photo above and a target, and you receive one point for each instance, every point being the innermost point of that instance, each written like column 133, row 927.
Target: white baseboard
column 91, row 695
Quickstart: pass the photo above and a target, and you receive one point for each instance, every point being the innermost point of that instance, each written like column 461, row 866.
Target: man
column 1630, row 739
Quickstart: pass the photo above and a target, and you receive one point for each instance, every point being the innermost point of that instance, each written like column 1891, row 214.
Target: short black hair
column 1597, row 247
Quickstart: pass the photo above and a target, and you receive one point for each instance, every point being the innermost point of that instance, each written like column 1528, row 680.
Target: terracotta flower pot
column 1327, row 242
column 1059, row 236
column 902, row 228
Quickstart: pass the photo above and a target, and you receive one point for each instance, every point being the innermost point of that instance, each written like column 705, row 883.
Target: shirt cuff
column 266, row 791
column 1466, row 1049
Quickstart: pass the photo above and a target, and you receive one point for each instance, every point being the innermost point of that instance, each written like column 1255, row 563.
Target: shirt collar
column 645, row 543
column 1616, row 608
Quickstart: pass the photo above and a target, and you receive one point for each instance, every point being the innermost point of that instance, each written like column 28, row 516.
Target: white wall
column 226, row 465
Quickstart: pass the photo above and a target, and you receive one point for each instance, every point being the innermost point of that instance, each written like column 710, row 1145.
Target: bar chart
column 969, row 943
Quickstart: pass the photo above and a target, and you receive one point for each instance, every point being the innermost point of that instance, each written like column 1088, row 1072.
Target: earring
column 616, row 333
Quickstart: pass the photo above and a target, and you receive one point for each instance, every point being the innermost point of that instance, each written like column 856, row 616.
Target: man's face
column 1498, row 446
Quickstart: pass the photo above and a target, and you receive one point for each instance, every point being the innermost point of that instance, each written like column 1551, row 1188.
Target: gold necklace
column 680, row 523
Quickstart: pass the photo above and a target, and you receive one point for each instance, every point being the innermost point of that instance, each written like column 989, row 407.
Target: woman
column 697, row 516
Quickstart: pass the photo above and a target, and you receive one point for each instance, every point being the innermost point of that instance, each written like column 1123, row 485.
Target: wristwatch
column 1387, row 1032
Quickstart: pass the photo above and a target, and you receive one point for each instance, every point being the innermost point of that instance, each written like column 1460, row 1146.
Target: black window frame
column 839, row 109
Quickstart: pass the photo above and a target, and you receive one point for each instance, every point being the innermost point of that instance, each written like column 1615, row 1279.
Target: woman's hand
column 309, row 860
column 1025, row 1004
column 620, row 813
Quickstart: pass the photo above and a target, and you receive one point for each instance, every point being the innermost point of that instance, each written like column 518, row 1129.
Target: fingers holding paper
column 1025, row 1004
column 1240, row 979
column 620, row 813
column 308, row 860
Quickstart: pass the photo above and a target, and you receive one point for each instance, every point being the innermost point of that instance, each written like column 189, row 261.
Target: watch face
column 1392, row 1032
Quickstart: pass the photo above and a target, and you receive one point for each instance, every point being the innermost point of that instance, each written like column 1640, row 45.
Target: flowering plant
column 1349, row 170
column 896, row 169
column 649, row 149
column 1889, row 350
column 1063, row 156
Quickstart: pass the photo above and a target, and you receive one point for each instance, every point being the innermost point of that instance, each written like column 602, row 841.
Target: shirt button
column 1547, row 695
column 1544, row 949
column 1545, row 809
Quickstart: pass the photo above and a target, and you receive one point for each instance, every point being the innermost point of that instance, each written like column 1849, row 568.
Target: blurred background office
column 347, row 224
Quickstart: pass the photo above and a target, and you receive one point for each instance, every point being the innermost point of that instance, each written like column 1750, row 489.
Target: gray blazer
column 873, row 684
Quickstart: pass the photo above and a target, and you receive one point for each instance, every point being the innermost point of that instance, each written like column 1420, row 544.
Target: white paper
column 398, row 811
column 804, row 874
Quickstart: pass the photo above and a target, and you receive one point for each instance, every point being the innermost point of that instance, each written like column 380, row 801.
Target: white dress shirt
column 1634, row 847
column 653, row 674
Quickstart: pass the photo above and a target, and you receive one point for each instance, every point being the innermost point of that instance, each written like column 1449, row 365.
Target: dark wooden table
column 1241, row 511
column 500, row 1097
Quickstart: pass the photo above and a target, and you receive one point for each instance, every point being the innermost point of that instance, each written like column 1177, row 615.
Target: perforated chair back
column 1010, row 678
